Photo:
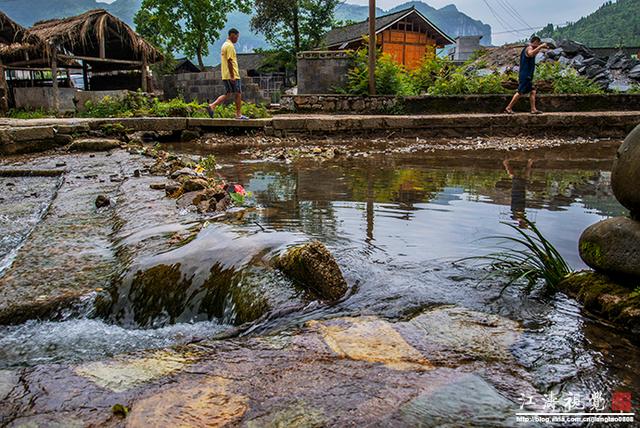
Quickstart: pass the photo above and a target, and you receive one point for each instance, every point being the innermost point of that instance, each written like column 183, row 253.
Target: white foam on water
column 38, row 342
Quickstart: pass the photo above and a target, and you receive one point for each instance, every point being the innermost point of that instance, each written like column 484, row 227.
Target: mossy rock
column 312, row 266
column 612, row 247
column 614, row 301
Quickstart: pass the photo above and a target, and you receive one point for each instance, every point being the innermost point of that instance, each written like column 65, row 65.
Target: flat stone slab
column 68, row 253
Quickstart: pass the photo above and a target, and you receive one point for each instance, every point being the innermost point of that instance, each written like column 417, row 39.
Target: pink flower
column 239, row 189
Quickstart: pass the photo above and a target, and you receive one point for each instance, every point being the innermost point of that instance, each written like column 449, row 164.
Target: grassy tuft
column 533, row 259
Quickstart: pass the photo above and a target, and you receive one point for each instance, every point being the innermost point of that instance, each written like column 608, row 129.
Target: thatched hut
column 98, row 38
column 94, row 39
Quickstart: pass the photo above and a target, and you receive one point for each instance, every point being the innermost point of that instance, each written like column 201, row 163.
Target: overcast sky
column 534, row 13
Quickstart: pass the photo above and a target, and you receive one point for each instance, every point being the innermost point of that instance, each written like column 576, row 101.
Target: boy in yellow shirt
column 230, row 76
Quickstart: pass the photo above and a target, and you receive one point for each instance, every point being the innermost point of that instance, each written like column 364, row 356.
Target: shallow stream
column 396, row 225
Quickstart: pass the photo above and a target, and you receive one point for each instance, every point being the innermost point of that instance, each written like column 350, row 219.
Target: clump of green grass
column 533, row 259
column 29, row 114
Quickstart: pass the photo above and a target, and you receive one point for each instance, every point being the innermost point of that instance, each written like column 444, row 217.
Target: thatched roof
column 16, row 43
column 81, row 36
column 10, row 31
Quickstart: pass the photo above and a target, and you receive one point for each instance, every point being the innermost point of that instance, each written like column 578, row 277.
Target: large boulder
column 612, row 247
column 313, row 266
column 634, row 73
column 625, row 178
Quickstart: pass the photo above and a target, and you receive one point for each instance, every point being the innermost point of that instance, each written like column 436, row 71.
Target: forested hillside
column 614, row 24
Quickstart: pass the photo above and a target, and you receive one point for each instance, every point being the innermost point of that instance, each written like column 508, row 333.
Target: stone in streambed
column 158, row 186
column 195, row 184
column 184, row 171
column 625, row 177
column 94, row 145
column 612, row 246
column 314, row 266
column 102, row 201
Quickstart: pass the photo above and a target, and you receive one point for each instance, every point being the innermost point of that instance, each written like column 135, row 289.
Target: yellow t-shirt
column 229, row 53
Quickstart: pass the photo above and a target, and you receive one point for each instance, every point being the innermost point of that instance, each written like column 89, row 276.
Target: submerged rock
column 313, row 265
column 625, row 176
column 612, row 246
column 214, row 274
column 94, row 145
column 614, row 301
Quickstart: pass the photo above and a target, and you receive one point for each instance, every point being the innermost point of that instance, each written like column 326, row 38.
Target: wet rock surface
column 313, row 266
column 396, row 371
column 68, row 253
column 612, row 299
column 625, row 176
column 613, row 246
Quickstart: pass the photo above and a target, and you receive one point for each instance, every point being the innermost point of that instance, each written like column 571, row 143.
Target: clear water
column 396, row 224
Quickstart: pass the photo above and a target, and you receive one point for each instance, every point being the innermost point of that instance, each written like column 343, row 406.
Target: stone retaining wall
column 339, row 104
column 21, row 136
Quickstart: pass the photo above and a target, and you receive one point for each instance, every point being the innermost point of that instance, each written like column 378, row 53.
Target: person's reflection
column 519, row 179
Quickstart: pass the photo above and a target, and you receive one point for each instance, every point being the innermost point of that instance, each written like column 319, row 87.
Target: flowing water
column 397, row 224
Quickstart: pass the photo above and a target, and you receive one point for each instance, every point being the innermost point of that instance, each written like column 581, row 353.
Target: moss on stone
column 312, row 266
column 590, row 251
column 605, row 297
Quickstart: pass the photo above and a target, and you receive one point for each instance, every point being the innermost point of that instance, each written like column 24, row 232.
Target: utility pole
column 372, row 47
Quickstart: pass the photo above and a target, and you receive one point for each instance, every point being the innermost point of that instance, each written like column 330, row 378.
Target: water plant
column 532, row 259
column 207, row 165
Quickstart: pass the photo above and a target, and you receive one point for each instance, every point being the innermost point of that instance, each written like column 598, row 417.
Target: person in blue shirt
column 527, row 69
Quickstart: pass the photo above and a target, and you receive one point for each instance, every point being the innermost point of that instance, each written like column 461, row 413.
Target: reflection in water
column 519, row 180
column 395, row 225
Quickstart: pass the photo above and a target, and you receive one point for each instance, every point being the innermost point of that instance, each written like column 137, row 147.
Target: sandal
column 210, row 111
column 507, row 111
column 537, row 112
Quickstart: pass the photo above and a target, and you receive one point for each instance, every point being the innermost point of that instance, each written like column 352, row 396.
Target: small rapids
column 77, row 340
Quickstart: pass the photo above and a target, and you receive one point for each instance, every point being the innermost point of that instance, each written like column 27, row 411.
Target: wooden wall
column 407, row 45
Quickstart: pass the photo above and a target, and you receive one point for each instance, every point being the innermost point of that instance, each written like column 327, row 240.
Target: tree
column 188, row 26
column 293, row 25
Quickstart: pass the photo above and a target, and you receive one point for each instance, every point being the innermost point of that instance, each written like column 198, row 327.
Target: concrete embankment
column 22, row 136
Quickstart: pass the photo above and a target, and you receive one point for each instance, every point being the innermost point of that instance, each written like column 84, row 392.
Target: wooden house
column 407, row 35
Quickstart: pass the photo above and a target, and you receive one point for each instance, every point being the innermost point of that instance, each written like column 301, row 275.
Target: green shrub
column 391, row 77
column 252, row 111
column 460, row 83
column 429, row 71
column 635, row 89
column 565, row 80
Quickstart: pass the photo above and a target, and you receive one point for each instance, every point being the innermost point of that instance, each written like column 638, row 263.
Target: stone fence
column 339, row 104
